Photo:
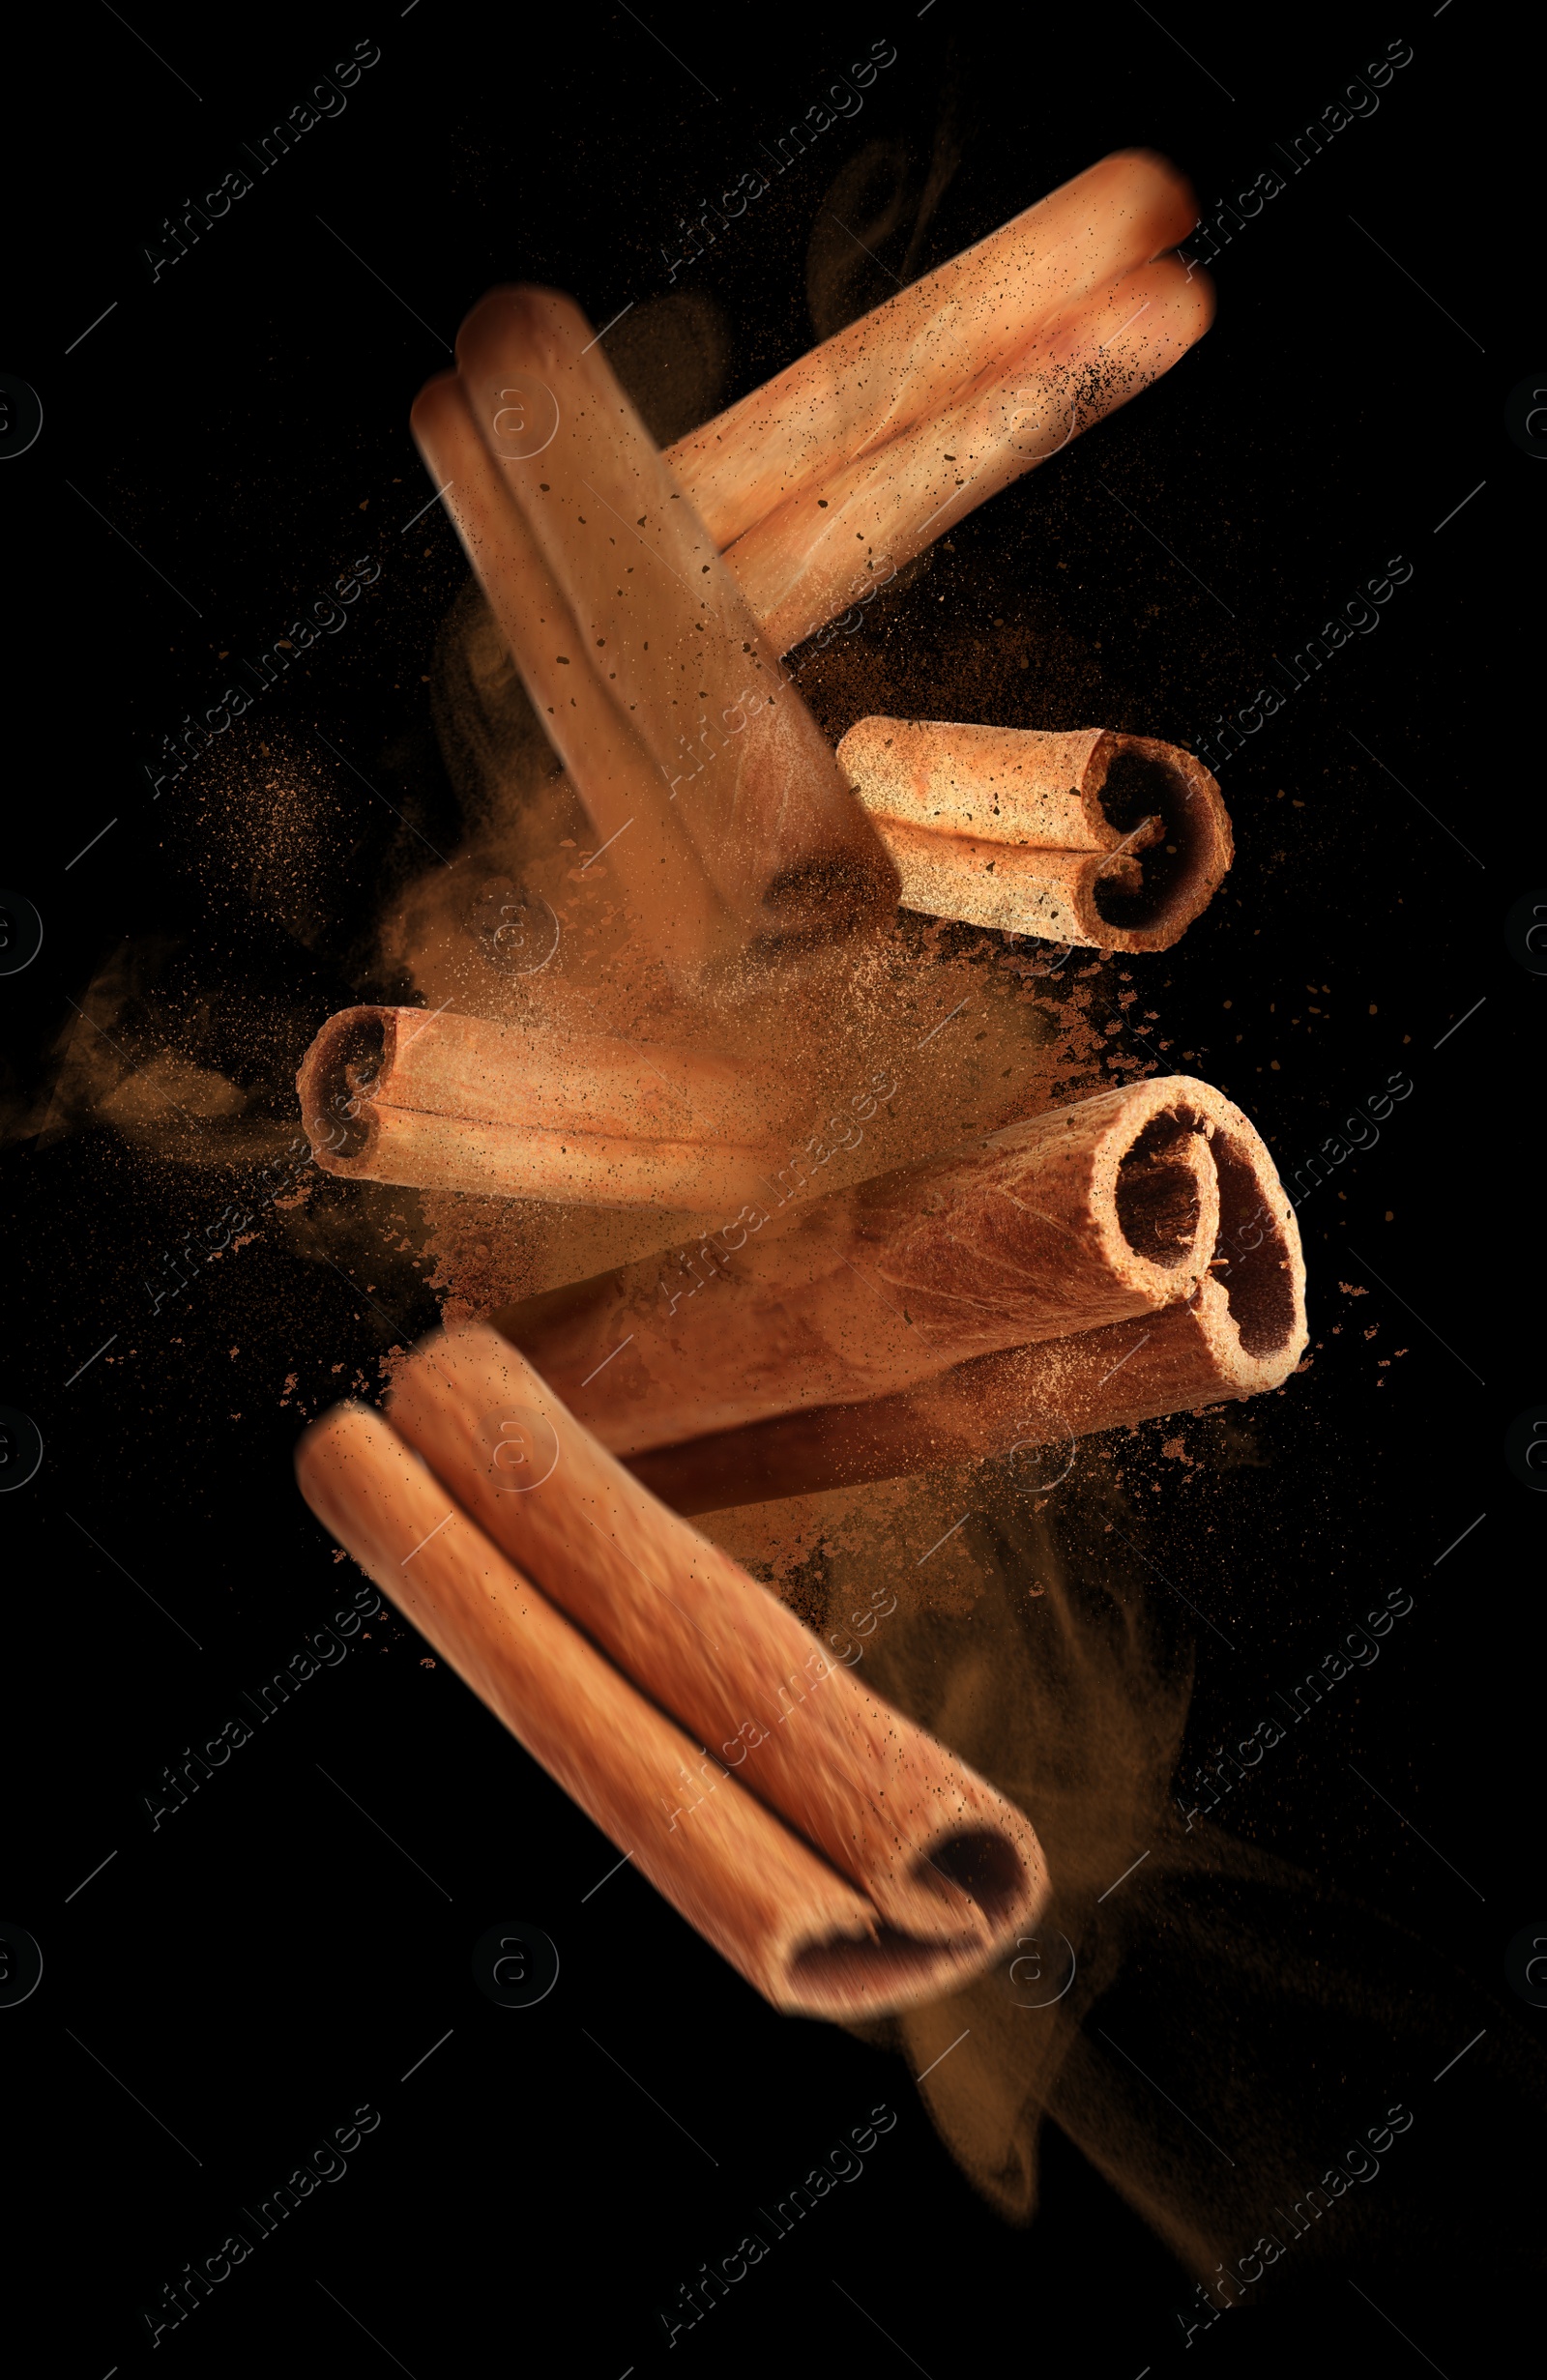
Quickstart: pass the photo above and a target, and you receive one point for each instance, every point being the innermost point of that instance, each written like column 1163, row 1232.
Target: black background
column 266, row 1960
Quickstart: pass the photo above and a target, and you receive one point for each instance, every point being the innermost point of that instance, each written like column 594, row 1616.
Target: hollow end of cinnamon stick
column 350, row 1056
column 1165, row 806
column 1092, row 837
column 1161, row 1190
column 843, row 1976
column 847, row 1973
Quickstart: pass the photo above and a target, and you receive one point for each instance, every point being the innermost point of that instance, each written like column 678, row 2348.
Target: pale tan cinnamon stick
column 911, row 359
column 1088, row 837
column 908, row 1832
column 1066, row 1222
column 856, row 522
column 608, row 761
column 658, row 653
column 451, row 1102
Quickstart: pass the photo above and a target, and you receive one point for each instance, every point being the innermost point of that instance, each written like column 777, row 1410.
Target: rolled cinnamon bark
column 450, row 1102
column 1090, row 838
column 910, row 359
column 1065, row 1222
column 1239, row 1334
column 675, row 901
column 656, row 652
column 855, row 523
column 786, row 1921
column 905, row 1827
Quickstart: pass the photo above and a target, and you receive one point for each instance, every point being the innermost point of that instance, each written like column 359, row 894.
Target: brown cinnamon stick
column 850, row 1864
column 1065, row 1222
column 908, row 360
column 608, row 762
column 860, row 519
column 1088, row 837
column 1241, row 1333
column 1201, row 1353
column 749, row 1886
column 651, row 677
column 452, row 1102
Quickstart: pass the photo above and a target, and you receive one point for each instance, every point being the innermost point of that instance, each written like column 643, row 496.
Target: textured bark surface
column 1238, row 1334
column 999, row 785
column 1063, row 1222
column 649, row 671
column 1096, row 838
column 616, row 775
column 858, row 521
column 904, row 1870
column 749, row 1886
column 902, row 364
column 443, row 1101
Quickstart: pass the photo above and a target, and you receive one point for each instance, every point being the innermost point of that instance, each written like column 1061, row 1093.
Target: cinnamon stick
column 1065, row 1222
column 451, row 1102
column 608, row 761
column 1186, row 1356
column 690, row 748
column 860, row 519
column 755, row 1892
column 1241, row 1333
column 1088, row 837
column 891, row 1826
column 911, row 359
